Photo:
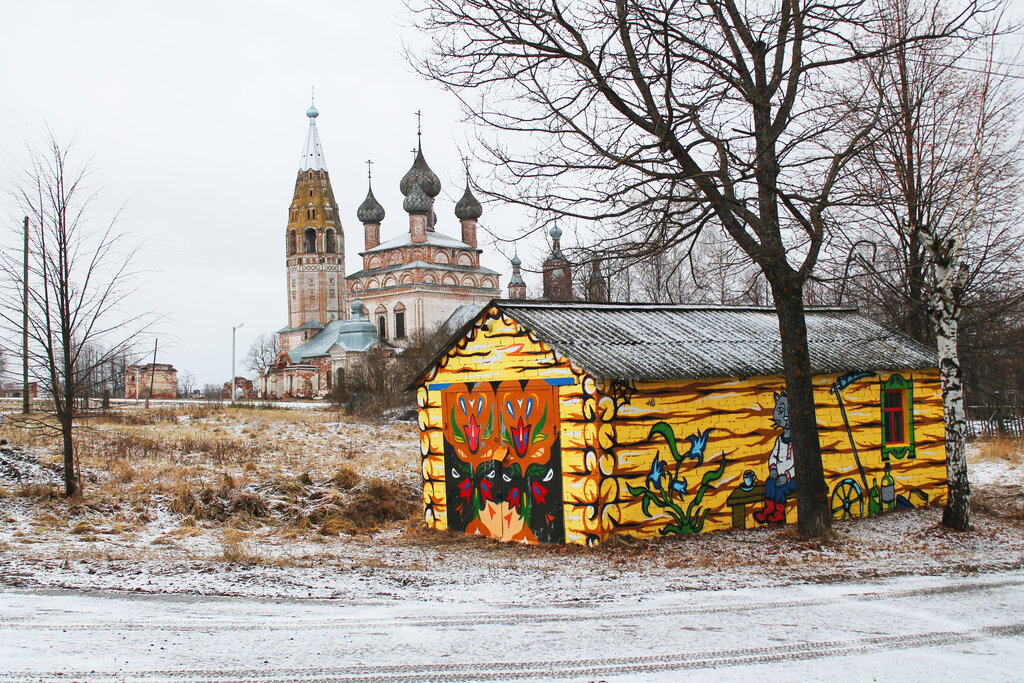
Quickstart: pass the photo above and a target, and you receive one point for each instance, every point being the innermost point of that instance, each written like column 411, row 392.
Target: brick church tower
column 314, row 247
column 556, row 271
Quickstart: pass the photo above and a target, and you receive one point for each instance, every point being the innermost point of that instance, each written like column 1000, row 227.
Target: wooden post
column 26, row 399
column 152, row 375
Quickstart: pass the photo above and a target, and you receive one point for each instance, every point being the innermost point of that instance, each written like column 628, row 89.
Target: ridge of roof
column 617, row 341
column 613, row 305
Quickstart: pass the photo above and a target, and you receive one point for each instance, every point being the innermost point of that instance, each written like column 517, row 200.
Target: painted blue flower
column 698, row 443
column 657, row 472
column 680, row 487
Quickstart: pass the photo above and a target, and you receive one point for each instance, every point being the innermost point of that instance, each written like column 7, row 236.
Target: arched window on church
column 399, row 321
column 382, row 321
column 310, row 241
column 331, row 245
column 291, row 243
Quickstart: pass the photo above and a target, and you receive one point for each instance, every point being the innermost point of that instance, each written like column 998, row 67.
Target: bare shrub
column 346, row 478
column 380, row 501
column 235, row 547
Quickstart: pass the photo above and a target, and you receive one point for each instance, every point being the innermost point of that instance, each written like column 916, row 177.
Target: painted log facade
column 519, row 443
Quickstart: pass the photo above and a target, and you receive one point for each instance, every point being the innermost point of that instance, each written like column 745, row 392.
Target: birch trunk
column 945, row 314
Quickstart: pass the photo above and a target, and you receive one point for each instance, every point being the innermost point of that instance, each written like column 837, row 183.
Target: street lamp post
column 233, row 329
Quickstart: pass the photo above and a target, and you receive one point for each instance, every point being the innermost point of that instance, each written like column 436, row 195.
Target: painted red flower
column 465, row 488
column 473, row 434
column 521, row 437
column 538, row 492
column 486, row 487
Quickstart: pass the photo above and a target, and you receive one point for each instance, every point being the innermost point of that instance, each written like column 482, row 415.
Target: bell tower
column 314, row 247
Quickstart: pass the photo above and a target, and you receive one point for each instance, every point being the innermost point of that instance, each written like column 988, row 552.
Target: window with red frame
column 893, row 413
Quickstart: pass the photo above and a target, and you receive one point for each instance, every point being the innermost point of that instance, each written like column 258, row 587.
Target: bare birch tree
column 938, row 189
column 77, row 284
column 664, row 117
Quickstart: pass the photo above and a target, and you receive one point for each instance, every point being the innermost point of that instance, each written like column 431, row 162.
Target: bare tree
column 662, row 118
column 213, row 391
column 186, row 384
column 262, row 353
column 78, row 278
column 938, row 189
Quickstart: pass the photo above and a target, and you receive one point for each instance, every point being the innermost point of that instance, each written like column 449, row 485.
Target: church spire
column 516, row 285
column 313, row 152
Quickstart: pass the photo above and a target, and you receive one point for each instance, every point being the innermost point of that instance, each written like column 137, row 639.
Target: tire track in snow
column 551, row 669
column 577, row 614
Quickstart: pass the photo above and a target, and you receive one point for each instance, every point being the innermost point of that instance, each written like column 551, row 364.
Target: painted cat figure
column 781, row 481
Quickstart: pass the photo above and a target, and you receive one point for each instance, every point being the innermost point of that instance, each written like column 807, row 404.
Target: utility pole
column 26, row 399
column 152, row 375
column 233, row 360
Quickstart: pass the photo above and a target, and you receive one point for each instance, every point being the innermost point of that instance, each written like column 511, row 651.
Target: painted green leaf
column 490, row 427
column 538, row 435
column 665, row 430
column 457, row 434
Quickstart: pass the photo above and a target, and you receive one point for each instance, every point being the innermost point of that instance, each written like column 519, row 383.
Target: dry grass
column 1004, row 448
column 222, row 468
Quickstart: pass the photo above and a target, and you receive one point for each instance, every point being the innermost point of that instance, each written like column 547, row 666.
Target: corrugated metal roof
column 352, row 335
column 649, row 341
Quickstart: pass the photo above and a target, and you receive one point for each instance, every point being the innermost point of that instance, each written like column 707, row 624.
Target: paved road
column 909, row 629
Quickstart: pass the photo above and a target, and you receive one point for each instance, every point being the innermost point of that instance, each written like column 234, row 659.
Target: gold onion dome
column 370, row 211
column 417, row 201
column 468, row 208
column 420, row 174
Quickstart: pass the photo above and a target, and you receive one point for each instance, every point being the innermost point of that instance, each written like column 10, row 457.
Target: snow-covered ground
column 104, row 585
column 908, row 628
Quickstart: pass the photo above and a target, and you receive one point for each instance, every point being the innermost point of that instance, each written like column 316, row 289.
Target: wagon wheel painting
column 845, row 497
column 847, row 492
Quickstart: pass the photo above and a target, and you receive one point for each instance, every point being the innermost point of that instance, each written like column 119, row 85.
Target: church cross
column 369, row 169
column 419, row 122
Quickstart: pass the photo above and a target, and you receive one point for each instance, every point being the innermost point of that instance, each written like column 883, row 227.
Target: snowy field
column 242, row 544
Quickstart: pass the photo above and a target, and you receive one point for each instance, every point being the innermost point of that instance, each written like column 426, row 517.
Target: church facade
column 407, row 286
column 410, row 284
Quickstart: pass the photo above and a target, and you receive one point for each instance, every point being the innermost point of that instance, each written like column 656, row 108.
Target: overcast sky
column 194, row 114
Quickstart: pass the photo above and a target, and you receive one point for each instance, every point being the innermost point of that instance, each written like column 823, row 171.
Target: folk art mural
column 517, row 443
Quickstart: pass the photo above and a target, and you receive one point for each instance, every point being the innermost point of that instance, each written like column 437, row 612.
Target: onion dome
column 370, row 211
column 556, row 233
column 515, row 261
column 420, row 174
column 312, row 112
column 417, row 201
column 468, row 208
column 357, row 307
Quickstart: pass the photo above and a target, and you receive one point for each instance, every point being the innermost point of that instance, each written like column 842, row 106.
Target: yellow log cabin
column 570, row 423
